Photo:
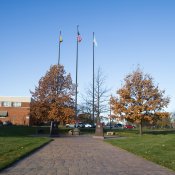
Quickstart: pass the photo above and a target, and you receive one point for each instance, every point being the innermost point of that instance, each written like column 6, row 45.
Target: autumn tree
column 101, row 97
column 85, row 117
column 139, row 100
column 172, row 116
column 164, row 122
column 53, row 97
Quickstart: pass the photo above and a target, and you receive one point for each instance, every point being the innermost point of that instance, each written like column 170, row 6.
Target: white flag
column 95, row 42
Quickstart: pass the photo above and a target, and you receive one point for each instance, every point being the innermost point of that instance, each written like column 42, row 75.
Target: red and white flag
column 79, row 37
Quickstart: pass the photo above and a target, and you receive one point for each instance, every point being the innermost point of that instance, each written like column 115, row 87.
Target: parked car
column 118, row 125
column 70, row 125
column 81, row 125
column 88, row 125
column 67, row 125
column 78, row 125
column 94, row 125
column 129, row 126
column 108, row 126
column 7, row 123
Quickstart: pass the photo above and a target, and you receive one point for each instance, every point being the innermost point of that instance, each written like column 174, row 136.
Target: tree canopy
column 53, row 97
column 139, row 100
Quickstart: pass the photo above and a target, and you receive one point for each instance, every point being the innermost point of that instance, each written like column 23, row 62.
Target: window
column 16, row 104
column 3, row 113
column 6, row 104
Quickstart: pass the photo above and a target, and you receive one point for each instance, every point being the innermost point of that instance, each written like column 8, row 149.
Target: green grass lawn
column 16, row 143
column 159, row 148
column 7, row 131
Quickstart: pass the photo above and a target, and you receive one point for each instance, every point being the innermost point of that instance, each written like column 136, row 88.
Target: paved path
column 84, row 156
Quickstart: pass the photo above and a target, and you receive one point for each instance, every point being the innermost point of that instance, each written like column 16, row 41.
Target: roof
column 15, row 99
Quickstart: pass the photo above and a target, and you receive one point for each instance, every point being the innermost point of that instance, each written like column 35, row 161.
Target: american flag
column 79, row 37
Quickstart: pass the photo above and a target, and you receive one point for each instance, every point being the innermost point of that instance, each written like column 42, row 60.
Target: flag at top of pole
column 78, row 35
column 60, row 38
column 94, row 41
column 60, row 41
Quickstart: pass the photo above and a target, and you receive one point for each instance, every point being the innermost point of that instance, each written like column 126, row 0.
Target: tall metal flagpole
column 99, row 128
column 76, row 112
column 59, row 49
column 93, row 82
column 110, row 112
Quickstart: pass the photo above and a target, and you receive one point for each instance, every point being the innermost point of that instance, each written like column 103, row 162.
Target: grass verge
column 15, row 143
column 159, row 148
column 14, row 148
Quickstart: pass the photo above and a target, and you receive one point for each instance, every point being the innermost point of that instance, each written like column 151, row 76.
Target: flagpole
column 93, row 82
column 59, row 50
column 76, row 113
column 99, row 128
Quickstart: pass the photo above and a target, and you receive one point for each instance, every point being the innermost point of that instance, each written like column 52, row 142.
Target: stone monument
column 76, row 131
column 99, row 130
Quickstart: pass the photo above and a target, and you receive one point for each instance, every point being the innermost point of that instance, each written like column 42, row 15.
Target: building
column 15, row 110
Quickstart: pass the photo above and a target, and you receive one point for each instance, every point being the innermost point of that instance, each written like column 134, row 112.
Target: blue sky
column 128, row 33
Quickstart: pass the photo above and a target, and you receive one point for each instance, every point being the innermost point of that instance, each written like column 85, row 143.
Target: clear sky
column 128, row 32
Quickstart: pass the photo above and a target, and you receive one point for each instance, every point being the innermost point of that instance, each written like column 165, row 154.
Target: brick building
column 15, row 109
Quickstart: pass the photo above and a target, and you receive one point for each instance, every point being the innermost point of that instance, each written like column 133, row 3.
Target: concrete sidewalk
column 84, row 155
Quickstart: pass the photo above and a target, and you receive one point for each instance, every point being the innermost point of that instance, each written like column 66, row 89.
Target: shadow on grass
column 21, row 131
column 156, row 132
column 145, row 131
column 13, row 131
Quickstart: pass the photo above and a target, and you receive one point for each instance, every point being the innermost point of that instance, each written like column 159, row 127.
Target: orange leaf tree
column 53, row 97
column 139, row 100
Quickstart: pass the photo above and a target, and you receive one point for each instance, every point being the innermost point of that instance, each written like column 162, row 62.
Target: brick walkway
column 84, row 156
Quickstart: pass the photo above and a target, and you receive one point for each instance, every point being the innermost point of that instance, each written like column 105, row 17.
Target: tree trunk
column 140, row 128
column 61, row 123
